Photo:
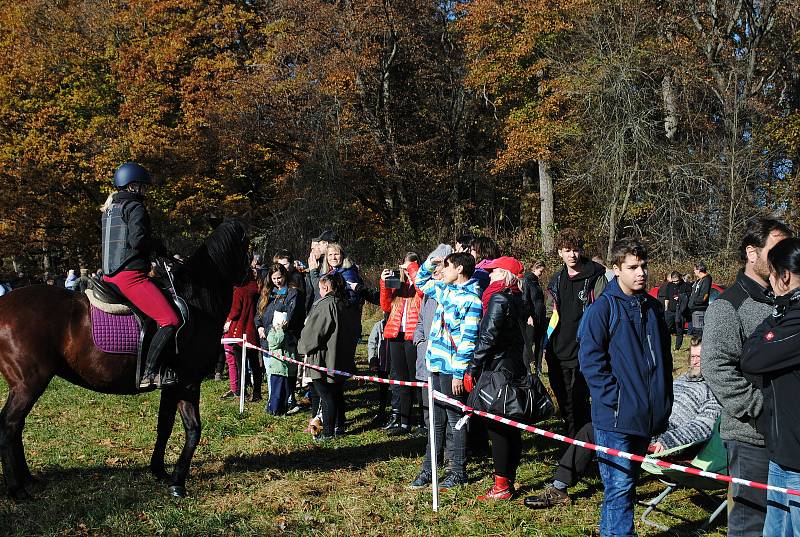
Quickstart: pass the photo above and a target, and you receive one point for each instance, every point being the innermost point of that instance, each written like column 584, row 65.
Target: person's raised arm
column 424, row 280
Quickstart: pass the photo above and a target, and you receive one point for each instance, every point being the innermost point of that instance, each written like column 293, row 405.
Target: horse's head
column 227, row 247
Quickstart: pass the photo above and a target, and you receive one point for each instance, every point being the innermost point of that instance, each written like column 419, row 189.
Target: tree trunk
column 670, row 108
column 527, row 213
column 612, row 227
column 546, row 198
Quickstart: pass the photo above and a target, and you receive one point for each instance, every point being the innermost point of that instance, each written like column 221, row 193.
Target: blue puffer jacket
column 625, row 357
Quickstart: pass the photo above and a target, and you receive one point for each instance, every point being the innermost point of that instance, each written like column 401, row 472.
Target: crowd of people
column 465, row 310
column 465, row 313
column 71, row 280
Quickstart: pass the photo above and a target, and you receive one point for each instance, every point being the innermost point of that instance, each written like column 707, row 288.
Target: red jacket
column 243, row 311
column 411, row 299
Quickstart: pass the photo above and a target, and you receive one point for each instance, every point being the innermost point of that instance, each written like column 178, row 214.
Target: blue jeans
column 619, row 481
column 783, row 510
column 446, row 418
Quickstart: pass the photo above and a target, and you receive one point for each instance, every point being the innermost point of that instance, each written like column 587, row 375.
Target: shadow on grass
column 70, row 499
column 681, row 525
column 325, row 457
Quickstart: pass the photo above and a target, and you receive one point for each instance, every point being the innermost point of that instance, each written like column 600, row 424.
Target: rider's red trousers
column 145, row 295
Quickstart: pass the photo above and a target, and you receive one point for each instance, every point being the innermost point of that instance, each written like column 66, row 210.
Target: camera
column 392, row 281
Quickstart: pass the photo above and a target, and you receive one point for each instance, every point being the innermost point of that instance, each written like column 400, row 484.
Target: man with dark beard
column 730, row 320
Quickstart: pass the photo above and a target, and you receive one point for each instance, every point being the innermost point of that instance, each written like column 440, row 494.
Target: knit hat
column 443, row 250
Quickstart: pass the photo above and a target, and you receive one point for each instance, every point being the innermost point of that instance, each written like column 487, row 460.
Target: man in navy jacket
column 624, row 355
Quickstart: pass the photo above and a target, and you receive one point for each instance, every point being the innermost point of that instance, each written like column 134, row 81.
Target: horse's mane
column 206, row 279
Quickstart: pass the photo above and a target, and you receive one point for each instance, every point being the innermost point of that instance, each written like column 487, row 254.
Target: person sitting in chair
column 127, row 246
column 694, row 412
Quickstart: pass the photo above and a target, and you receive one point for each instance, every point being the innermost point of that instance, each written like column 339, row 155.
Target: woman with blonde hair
column 500, row 346
column 339, row 263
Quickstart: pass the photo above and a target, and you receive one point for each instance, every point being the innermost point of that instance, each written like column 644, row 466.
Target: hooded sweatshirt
column 569, row 296
column 454, row 331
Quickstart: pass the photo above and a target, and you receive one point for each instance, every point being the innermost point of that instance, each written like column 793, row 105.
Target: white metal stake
column 243, row 372
column 432, row 440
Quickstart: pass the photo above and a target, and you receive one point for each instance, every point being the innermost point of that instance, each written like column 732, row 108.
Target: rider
column 127, row 245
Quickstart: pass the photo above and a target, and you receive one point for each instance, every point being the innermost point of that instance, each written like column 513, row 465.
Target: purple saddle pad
column 115, row 334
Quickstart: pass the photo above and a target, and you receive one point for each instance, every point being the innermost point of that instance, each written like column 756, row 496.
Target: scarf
column 498, row 287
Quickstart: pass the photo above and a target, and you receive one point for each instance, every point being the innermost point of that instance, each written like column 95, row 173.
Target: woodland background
column 400, row 123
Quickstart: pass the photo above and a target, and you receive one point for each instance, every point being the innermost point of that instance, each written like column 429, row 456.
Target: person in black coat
column 700, row 296
column 536, row 325
column 501, row 343
column 772, row 356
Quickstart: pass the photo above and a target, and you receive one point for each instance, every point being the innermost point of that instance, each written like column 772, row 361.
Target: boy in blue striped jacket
column 451, row 344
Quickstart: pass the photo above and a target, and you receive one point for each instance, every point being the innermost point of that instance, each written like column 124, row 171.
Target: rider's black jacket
column 139, row 244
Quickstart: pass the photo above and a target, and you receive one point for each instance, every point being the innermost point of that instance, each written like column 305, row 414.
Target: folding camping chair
column 712, row 457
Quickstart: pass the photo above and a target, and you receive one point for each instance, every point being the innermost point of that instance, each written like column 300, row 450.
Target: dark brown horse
column 45, row 331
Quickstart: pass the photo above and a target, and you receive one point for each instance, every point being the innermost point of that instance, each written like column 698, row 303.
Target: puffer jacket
column 411, row 302
column 455, row 327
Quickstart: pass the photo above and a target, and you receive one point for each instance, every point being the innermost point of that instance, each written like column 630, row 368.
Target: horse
column 45, row 331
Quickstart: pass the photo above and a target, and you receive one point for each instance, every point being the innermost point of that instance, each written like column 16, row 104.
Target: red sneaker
column 503, row 489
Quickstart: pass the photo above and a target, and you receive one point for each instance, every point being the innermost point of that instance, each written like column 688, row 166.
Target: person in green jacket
column 329, row 340
column 280, row 342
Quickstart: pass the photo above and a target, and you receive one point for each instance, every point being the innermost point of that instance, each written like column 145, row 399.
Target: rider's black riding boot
column 163, row 337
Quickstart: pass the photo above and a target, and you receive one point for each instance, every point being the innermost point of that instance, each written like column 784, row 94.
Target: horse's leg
column 166, row 421
column 189, row 407
column 18, row 405
column 19, row 455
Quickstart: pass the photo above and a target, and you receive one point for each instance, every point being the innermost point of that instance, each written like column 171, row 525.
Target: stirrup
column 147, row 381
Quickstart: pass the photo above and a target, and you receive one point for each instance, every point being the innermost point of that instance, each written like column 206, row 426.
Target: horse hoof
column 177, row 491
column 37, row 482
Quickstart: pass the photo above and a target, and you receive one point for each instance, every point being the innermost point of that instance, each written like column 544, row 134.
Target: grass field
column 260, row 475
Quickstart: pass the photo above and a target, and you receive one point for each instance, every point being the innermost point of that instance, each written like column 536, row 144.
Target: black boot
column 161, row 340
column 394, row 420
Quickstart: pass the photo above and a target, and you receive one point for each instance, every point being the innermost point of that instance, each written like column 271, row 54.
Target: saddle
column 119, row 327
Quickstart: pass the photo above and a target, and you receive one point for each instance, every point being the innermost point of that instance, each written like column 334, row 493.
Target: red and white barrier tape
column 611, row 451
column 531, row 429
column 285, row 358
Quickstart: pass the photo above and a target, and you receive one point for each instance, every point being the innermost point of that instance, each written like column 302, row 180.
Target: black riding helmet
column 130, row 172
